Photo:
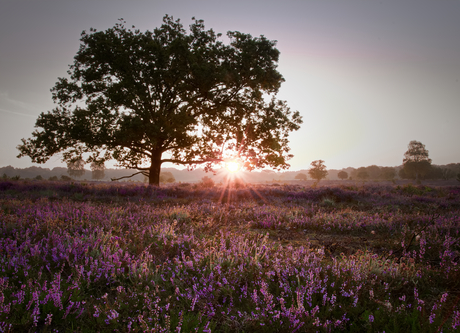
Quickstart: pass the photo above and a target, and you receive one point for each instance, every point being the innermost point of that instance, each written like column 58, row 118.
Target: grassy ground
column 351, row 257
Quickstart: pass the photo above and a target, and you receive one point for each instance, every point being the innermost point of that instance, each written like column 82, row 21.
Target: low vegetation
column 78, row 257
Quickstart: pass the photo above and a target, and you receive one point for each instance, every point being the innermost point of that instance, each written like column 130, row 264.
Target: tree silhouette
column 373, row 171
column 318, row 170
column 98, row 170
column 362, row 173
column 387, row 173
column 76, row 168
column 167, row 177
column 146, row 98
column 416, row 163
column 342, row 175
column 301, row 176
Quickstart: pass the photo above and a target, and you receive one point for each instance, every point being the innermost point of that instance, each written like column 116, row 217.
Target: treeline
column 171, row 175
column 434, row 172
column 168, row 175
column 374, row 172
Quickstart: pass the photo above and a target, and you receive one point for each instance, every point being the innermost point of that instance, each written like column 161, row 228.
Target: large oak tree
column 171, row 95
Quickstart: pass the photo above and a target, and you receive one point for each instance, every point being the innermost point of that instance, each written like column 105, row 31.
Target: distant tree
column 436, row 172
column 362, row 173
column 458, row 177
column 53, row 178
column 447, row 173
column 301, row 176
column 97, row 170
column 387, row 173
column 8, row 171
column 354, row 173
column 168, row 95
column 416, row 163
column 455, row 167
column 404, row 175
column 342, row 175
column 237, row 183
column 440, row 172
column 38, row 177
column 65, row 178
column 167, row 177
column 76, row 168
column 373, row 171
column 318, row 170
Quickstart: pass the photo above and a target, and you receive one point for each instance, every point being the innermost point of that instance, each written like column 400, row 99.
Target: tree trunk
column 155, row 168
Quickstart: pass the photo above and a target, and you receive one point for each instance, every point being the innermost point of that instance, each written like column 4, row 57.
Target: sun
column 232, row 166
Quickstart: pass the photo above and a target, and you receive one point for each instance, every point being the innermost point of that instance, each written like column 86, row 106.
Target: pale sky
column 367, row 76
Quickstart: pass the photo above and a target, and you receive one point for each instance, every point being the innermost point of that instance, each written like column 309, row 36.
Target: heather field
column 78, row 257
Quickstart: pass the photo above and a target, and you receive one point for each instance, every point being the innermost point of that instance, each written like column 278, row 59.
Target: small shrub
column 328, row 202
column 207, row 182
column 238, row 183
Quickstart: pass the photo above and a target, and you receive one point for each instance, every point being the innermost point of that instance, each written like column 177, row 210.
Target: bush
column 167, row 177
column 207, row 182
column 343, row 175
column 301, row 176
column 65, row 178
column 238, row 183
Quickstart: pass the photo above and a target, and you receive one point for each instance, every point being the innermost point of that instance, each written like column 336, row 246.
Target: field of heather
column 131, row 258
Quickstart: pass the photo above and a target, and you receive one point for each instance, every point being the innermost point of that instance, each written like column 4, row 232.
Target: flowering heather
column 130, row 258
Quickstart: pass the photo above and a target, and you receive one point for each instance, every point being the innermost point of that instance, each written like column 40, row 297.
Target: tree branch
column 114, row 179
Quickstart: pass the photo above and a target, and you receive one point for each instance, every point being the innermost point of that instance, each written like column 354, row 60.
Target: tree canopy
column 318, row 170
column 76, row 168
column 167, row 177
column 342, row 175
column 97, row 170
column 416, row 163
column 387, row 173
column 362, row 173
column 168, row 95
column 301, row 176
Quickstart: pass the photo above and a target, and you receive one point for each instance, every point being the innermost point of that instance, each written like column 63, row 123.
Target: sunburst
column 233, row 166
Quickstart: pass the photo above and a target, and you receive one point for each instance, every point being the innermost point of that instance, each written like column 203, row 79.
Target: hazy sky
column 367, row 76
